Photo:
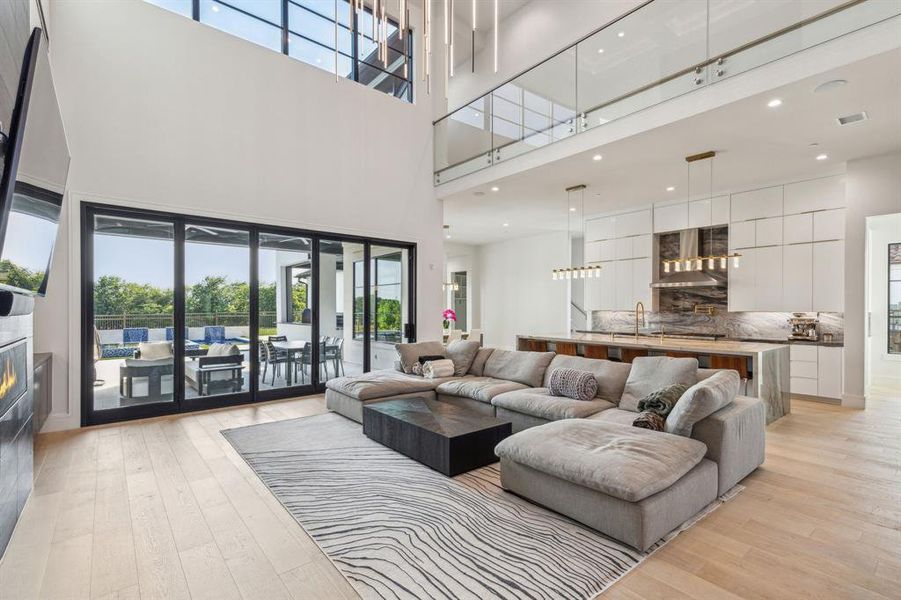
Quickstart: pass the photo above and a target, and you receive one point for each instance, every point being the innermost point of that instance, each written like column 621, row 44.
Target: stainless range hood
column 688, row 248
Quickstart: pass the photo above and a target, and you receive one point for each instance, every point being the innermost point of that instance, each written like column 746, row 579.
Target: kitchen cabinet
column 829, row 372
column 602, row 228
column 828, row 276
column 768, row 279
column 623, row 248
column 593, row 252
column 708, row 212
column 797, row 229
column 817, row 194
column 742, row 235
column 633, row 223
column 671, row 217
column 829, row 225
column 768, row 232
column 624, row 286
column 641, row 282
column 756, row 204
column 742, row 281
column 642, row 246
column 797, row 278
column 719, row 210
column 698, row 214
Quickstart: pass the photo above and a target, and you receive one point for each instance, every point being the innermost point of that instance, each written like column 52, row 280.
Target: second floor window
column 305, row 30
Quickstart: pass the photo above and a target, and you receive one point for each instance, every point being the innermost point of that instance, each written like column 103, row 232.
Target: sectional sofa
column 583, row 458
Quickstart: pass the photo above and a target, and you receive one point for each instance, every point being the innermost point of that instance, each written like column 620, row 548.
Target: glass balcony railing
column 658, row 51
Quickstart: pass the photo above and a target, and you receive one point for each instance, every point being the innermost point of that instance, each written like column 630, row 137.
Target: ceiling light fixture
column 495, row 189
column 505, row 225
column 621, row 34
column 822, row 156
column 495, row 35
column 572, row 209
column 214, row 8
column 829, row 86
column 586, row 271
column 597, row 157
column 774, row 103
column 600, row 50
column 670, row 188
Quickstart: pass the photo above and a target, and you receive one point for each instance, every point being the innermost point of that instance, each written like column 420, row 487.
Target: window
column 894, row 298
column 305, row 30
column 387, row 278
column 297, row 289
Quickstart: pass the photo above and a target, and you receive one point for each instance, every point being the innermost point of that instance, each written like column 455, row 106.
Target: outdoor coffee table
column 447, row 438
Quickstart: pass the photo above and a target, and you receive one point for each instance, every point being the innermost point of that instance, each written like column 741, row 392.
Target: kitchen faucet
column 639, row 309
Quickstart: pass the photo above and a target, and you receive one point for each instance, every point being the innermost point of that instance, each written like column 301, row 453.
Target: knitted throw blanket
column 649, row 420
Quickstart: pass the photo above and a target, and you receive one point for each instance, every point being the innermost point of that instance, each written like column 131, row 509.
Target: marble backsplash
column 740, row 325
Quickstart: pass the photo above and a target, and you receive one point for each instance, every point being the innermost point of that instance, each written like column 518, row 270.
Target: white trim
column 853, row 401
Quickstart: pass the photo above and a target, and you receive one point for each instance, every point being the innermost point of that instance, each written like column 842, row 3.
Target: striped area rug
column 397, row 529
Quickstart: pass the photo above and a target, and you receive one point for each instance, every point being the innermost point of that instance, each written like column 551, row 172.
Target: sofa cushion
column 650, row 373
column 408, row 354
column 222, row 349
column 615, row 415
column 572, row 383
column 628, row 463
column 462, row 352
column 380, row 384
column 611, row 375
column 483, row 389
column 701, row 400
column 539, row 402
column 155, row 350
column 523, row 367
column 477, row 367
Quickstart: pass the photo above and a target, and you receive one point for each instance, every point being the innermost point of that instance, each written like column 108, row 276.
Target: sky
column 29, row 241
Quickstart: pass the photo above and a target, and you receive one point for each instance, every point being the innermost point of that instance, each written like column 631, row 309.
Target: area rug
column 397, row 529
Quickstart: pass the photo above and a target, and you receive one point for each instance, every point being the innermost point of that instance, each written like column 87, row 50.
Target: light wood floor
column 164, row 508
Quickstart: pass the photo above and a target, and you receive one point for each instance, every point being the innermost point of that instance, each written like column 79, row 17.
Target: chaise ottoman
column 629, row 483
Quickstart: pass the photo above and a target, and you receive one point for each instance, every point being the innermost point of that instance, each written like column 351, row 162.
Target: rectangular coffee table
column 442, row 436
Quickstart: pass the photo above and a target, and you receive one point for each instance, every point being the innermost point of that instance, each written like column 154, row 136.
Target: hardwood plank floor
column 165, row 508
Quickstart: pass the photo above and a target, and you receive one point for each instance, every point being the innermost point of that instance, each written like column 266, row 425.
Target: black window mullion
column 254, row 305
column 367, row 318
column 284, row 26
column 195, row 10
column 179, row 314
column 313, row 298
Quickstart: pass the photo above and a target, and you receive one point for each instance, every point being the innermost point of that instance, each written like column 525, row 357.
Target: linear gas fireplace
column 13, row 373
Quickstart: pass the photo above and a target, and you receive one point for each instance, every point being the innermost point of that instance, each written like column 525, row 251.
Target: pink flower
column 449, row 315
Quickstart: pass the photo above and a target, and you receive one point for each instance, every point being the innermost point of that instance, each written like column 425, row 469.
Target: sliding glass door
column 183, row 313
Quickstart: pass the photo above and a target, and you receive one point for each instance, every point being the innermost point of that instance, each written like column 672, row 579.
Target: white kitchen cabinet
column 623, row 248
column 768, row 279
column 698, row 214
column 828, row 276
column 801, row 385
column 641, row 246
column 607, row 293
column 641, row 282
column 633, row 223
column 742, row 235
column 802, row 352
column 608, row 249
column 624, row 285
column 806, row 369
column 768, row 232
column 797, row 229
column 756, row 204
column 829, row 225
column 602, row 228
column 593, row 252
column 719, row 210
column 817, row 194
column 829, row 372
column 742, row 282
column 671, row 217
column 797, row 278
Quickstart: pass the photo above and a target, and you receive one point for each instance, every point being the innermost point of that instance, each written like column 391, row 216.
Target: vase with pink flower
column 450, row 317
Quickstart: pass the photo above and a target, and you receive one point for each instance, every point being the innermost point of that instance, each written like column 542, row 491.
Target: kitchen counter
column 767, row 365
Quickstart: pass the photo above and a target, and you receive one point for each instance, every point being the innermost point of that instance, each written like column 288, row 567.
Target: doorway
column 883, row 297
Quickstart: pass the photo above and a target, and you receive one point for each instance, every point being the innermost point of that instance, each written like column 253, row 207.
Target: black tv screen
column 35, row 166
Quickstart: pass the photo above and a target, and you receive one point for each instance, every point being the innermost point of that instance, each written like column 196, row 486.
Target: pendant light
column 575, row 194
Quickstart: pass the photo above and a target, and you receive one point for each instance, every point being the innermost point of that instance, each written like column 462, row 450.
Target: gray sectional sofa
column 582, row 458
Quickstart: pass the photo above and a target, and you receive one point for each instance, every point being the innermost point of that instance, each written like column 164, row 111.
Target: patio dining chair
column 334, row 352
column 274, row 358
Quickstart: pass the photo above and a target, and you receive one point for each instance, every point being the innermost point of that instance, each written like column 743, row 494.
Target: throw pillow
column 649, row 420
column 477, row 367
column 462, row 352
column 426, row 358
column 663, row 400
column 702, row 400
column 578, row 385
column 650, row 373
column 408, row 354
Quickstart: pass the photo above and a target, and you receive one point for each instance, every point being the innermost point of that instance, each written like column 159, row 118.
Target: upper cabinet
column 757, row 204
column 622, row 244
column 671, row 217
column 817, row 194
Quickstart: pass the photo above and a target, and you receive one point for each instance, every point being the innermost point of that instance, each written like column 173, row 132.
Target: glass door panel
column 285, row 271
column 388, row 303
column 217, row 310
column 341, row 306
column 133, row 281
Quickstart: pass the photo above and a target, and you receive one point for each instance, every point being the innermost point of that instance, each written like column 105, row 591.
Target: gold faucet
column 639, row 309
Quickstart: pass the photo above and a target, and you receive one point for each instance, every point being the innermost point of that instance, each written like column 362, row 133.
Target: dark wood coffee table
column 442, row 436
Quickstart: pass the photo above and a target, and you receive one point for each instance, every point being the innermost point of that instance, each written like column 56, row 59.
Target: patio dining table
column 292, row 348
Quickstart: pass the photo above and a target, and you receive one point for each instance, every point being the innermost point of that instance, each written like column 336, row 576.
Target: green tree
column 20, row 277
column 207, row 296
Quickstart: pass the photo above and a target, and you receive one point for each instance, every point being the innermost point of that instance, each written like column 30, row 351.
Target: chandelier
column 575, row 195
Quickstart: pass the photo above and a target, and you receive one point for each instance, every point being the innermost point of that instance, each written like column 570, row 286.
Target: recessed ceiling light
column 495, row 189
column 829, row 86
column 597, row 157
column 621, row 34
column 477, row 114
column 670, row 188
column 813, row 144
column 774, row 103
column 600, row 50
column 506, row 225
column 214, row 8
column 447, row 237
column 478, row 193
column 822, row 156
column 572, row 209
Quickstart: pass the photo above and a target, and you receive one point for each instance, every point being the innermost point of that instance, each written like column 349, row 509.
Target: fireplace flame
column 8, row 380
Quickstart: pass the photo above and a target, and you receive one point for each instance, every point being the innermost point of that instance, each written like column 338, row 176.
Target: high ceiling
column 755, row 145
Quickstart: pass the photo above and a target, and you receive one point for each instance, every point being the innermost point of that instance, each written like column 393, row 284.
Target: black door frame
column 90, row 416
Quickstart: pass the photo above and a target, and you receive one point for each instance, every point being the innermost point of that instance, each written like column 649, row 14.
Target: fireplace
column 13, row 373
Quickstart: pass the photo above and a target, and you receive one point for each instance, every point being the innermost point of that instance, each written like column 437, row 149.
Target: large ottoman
column 631, row 484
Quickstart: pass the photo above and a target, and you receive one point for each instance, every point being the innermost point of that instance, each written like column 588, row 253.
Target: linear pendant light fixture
column 585, row 271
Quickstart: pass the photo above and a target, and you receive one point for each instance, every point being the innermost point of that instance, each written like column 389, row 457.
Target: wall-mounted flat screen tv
column 35, row 164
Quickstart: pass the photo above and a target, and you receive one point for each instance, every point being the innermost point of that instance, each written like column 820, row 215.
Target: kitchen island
column 764, row 367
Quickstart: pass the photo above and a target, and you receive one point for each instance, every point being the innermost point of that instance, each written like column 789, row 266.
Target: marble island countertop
column 720, row 346
column 717, row 338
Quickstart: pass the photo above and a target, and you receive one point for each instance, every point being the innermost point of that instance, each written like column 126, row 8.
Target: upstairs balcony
column 658, row 51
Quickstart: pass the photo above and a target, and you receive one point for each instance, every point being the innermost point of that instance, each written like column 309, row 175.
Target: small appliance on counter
column 803, row 327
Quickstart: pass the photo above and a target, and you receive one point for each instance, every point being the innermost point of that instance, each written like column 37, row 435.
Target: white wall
column 883, row 369
column 162, row 112
column 873, row 187
column 464, row 257
column 517, row 293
